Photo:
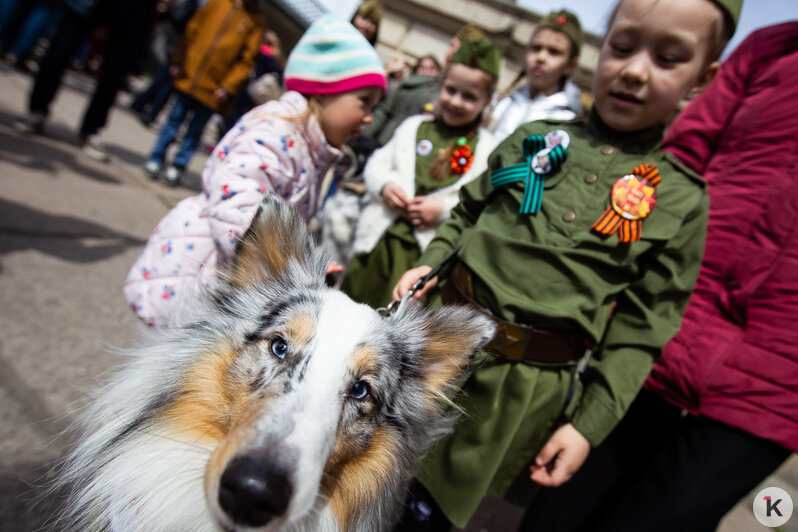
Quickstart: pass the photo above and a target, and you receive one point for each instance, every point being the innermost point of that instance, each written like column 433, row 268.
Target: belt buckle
column 506, row 345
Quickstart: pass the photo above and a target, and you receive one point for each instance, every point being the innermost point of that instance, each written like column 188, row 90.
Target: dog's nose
column 252, row 492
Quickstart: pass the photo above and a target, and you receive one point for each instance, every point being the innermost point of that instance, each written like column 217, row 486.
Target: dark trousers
column 153, row 99
column 119, row 57
column 69, row 35
column 183, row 106
column 658, row 471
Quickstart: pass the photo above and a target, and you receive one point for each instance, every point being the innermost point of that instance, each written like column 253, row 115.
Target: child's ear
column 704, row 80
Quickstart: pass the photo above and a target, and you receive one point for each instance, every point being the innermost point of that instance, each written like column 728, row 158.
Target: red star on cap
column 561, row 20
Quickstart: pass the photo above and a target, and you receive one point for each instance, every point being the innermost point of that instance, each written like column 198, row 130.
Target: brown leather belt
column 515, row 341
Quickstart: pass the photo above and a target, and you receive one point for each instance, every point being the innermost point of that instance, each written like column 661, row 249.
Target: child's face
column 365, row 26
column 343, row 115
column 548, row 60
column 427, row 67
column 655, row 53
column 463, row 95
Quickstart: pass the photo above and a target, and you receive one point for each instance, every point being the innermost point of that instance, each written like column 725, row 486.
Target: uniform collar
column 460, row 131
column 641, row 141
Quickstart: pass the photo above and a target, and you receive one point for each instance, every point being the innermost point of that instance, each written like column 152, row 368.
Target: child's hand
column 221, row 94
column 176, row 71
column 424, row 211
column 394, row 196
column 409, row 278
column 567, row 450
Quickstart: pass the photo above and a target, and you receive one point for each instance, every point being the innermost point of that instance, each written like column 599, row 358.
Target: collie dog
column 277, row 404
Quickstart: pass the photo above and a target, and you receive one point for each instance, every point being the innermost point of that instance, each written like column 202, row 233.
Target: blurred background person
column 211, row 64
column 22, row 24
column 367, row 19
column 551, row 58
column 129, row 25
column 148, row 103
column 265, row 81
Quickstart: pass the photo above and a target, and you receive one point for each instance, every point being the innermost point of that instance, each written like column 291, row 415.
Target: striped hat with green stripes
column 332, row 57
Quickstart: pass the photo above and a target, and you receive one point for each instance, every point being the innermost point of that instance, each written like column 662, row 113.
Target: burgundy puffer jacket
column 735, row 359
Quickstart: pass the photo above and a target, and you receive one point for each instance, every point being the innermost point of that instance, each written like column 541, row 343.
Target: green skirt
column 510, row 412
column 370, row 277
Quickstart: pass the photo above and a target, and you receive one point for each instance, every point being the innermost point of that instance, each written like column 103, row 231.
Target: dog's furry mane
column 276, row 403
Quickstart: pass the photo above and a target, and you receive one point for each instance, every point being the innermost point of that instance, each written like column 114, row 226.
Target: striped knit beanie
column 332, row 57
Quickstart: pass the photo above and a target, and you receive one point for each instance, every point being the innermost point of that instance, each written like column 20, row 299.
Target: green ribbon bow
column 533, row 188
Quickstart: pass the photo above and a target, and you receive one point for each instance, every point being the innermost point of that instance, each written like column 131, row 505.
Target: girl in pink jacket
column 333, row 79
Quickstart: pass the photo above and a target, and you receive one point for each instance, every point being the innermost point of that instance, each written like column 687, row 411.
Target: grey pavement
column 70, row 228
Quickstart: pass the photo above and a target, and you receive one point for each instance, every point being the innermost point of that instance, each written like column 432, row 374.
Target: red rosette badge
column 461, row 157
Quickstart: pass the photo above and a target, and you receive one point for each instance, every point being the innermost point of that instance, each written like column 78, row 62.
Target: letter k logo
column 772, row 506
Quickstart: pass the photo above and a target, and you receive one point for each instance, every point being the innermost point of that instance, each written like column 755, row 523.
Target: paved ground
column 69, row 230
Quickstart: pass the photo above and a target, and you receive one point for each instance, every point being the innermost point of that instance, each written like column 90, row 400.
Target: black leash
column 393, row 306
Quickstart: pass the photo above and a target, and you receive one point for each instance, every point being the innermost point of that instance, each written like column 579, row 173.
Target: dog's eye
column 359, row 390
column 279, row 347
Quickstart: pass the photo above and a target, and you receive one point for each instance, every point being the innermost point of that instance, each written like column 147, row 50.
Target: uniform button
column 607, row 150
column 590, row 178
column 569, row 216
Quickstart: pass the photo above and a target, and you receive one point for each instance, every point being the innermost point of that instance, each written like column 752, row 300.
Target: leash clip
column 394, row 305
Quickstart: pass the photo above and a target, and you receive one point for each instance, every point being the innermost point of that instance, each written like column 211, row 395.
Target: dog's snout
column 252, row 492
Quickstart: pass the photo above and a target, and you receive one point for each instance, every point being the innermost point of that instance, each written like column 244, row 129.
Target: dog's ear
column 276, row 236
column 454, row 336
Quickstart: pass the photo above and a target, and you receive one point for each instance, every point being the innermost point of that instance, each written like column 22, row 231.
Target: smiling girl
column 333, row 79
column 410, row 196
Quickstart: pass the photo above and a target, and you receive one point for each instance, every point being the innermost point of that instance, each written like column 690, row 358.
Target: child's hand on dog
column 409, row 278
column 561, row 457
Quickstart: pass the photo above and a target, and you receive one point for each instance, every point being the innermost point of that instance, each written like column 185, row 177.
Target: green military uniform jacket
column 552, row 271
column 370, row 277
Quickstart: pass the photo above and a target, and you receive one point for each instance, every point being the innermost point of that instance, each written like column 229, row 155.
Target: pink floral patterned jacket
column 277, row 147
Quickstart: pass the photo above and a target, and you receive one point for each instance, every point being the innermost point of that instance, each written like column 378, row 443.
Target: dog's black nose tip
column 252, row 492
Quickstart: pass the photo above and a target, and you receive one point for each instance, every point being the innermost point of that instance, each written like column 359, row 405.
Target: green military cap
column 479, row 53
column 565, row 22
column 732, row 8
column 469, row 31
column 371, row 9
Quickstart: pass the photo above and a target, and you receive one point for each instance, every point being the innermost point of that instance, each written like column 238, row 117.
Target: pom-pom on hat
column 479, row 53
column 332, row 57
